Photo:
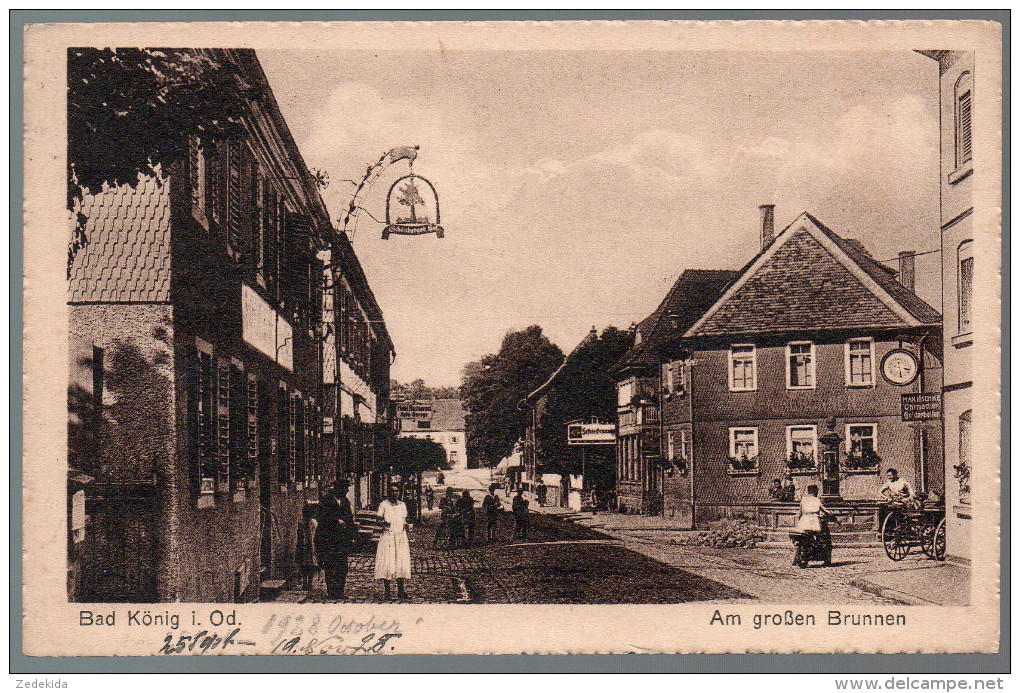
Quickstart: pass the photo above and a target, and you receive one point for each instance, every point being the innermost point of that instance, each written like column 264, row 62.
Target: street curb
column 890, row 593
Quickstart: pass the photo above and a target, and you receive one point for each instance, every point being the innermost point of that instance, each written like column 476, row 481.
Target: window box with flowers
column 861, row 444
column 799, row 463
column 743, row 457
column 802, row 450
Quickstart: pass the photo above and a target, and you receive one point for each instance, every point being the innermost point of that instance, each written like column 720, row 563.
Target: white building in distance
column 440, row 420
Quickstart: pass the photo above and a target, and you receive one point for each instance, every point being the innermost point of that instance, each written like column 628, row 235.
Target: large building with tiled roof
column 800, row 368
column 202, row 311
column 748, row 382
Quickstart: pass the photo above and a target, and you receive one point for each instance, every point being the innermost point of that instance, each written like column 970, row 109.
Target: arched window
column 964, row 98
column 965, row 284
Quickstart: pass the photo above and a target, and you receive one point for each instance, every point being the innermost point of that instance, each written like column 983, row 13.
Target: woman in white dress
column 393, row 555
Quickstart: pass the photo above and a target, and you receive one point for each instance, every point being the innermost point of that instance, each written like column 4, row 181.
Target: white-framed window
column 674, row 378
column 965, row 284
column 800, row 366
column 964, row 103
column 670, row 445
column 802, row 447
column 861, row 446
column 743, row 443
column 624, row 393
column 743, row 368
column 860, row 362
column 684, row 450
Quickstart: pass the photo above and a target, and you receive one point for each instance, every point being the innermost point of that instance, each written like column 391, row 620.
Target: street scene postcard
column 511, row 337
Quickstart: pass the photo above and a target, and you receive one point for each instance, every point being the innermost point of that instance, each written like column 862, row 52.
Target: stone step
column 269, row 590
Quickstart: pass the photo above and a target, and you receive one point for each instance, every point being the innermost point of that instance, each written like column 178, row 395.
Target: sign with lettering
column 921, row 406
column 592, row 433
column 263, row 328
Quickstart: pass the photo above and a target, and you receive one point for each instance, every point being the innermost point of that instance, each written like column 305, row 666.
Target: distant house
column 641, row 480
column 440, row 420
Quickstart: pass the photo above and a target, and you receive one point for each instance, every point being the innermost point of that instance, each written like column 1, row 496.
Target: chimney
column 907, row 269
column 768, row 225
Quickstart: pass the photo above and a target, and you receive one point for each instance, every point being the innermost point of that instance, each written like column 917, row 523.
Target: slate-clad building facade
column 789, row 348
column 197, row 309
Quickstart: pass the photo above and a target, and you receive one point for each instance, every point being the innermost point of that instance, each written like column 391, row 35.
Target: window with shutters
column 235, row 197
column 964, row 99
column 197, row 178
column 223, row 427
column 674, row 378
column 252, row 466
column 215, row 182
column 258, row 225
column 238, row 427
column 283, row 435
column 300, row 441
column 965, row 285
column 292, row 430
column 203, row 414
column 270, row 234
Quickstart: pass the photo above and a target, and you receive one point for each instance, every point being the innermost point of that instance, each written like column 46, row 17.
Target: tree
column 409, row 197
column 585, row 388
column 131, row 111
column 412, row 456
column 494, row 386
column 417, row 389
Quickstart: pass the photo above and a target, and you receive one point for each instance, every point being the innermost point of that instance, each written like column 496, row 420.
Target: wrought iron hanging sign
column 412, row 204
column 408, row 213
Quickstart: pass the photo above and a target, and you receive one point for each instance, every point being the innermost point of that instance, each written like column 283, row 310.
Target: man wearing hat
column 334, row 537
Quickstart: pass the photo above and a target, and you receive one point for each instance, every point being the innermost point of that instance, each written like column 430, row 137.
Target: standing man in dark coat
column 334, row 537
column 491, row 506
column 520, row 512
column 466, row 508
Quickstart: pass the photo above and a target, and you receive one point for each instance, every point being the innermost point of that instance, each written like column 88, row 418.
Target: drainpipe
column 923, row 431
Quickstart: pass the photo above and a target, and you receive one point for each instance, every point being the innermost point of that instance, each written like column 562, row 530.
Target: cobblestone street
column 562, row 562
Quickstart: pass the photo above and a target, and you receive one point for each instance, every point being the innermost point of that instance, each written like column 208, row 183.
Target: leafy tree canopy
column 412, row 456
column 417, row 389
column 494, row 386
column 585, row 388
column 130, row 111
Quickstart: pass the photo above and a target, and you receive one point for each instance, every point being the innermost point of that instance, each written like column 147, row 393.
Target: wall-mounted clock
column 900, row 367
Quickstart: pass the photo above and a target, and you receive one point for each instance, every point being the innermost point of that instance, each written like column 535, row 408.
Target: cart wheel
column 928, row 540
column 895, row 536
column 938, row 551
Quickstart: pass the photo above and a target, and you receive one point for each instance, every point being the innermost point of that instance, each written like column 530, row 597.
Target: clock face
column 899, row 367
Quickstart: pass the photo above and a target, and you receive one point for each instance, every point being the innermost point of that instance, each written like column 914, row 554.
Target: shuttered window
column 964, row 101
column 203, row 423
column 252, row 466
column 223, row 427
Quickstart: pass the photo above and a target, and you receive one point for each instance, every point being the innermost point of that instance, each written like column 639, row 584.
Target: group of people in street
column 457, row 517
column 811, row 535
column 329, row 537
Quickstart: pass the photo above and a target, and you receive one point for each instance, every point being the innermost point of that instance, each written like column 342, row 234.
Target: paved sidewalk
column 940, row 583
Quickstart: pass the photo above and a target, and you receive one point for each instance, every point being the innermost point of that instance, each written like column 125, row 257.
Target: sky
column 576, row 186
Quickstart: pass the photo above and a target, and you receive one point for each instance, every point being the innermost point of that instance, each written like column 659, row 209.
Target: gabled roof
column 810, row 278
column 540, row 390
column 447, row 415
column 692, row 294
